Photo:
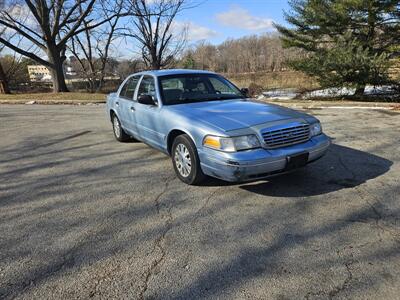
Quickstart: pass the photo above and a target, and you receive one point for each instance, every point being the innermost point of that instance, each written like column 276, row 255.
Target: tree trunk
column 155, row 65
column 100, row 84
column 57, row 74
column 155, row 61
column 91, row 84
column 57, row 71
column 360, row 90
column 4, row 88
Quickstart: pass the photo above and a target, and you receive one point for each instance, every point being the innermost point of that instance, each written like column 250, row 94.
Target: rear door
column 126, row 110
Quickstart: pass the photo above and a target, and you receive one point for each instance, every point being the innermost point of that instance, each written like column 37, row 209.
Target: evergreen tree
column 349, row 41
column 189, row 62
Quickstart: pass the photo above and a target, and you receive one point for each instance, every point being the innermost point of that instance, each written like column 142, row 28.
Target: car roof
column 173, row 72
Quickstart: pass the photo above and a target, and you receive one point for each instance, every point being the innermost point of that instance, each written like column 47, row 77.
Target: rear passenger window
column 128, row 90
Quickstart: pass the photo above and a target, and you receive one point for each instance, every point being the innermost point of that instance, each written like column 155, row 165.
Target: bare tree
column 248, row 54
column 91, row 48
column 153, row 27
column 4, row 87
column 52, row 24
column 126, row 67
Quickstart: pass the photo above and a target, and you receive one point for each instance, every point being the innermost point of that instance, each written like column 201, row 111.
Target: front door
column 147, row 116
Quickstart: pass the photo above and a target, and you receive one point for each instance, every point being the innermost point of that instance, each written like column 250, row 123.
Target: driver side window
column 147, row 87
column 219, row 86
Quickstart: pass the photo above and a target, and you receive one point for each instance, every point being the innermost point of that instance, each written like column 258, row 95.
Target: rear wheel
column 186, row 160
column 119, row 132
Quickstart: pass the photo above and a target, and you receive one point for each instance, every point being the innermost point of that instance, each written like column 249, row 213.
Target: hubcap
column 117, row 128
column 182, row 160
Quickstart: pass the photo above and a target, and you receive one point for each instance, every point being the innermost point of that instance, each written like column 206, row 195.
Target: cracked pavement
column 83, row 216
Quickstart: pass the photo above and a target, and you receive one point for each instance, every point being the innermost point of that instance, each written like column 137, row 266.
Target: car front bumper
column 258, row 163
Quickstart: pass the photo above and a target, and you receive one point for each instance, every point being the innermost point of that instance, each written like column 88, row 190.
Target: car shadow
column 342, row 167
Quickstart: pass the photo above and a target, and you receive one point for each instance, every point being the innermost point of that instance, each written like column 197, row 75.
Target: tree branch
column 26, row 53
column 23, row 33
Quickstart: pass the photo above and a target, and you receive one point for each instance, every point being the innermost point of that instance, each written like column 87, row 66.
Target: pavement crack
column 205, row 204
column 159, row 242
column 349, row 182
column 346, row 282
column 379, row 218
column 332, row 293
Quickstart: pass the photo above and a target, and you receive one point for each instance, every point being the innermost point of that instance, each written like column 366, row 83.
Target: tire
column 186, row 161
column 119, row 133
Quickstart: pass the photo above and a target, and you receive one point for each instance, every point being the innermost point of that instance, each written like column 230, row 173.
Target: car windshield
column 187, row 88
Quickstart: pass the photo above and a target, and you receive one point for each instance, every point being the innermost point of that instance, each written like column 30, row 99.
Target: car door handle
column 132, row 109
column 117, row 103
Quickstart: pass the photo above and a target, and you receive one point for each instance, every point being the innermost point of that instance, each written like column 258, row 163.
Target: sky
column 217, row 20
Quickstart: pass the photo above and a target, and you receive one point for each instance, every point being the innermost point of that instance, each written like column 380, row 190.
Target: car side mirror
column 245, row 92
column 146, row 99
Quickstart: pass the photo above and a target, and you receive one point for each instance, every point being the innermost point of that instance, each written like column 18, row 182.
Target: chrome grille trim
column 282, row 137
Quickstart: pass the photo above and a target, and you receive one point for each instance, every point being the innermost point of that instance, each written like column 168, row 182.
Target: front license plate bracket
column 296, row 161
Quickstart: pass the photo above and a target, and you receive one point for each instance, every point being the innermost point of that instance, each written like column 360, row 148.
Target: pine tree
column 349, row 42
column 189, row 62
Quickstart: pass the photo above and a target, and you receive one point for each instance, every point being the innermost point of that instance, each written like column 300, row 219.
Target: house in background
column 39, row 73
column 69, row 71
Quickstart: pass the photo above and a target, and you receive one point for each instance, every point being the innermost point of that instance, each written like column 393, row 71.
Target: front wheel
column 119, row 132
column 186, row 160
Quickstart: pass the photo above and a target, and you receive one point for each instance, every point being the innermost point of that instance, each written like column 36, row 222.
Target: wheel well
column 112, row 113
column 171, row 137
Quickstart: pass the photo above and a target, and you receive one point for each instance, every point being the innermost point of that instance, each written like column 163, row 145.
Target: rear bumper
column 259, row 163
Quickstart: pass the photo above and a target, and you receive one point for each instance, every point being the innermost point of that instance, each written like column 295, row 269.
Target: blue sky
column 217, row 20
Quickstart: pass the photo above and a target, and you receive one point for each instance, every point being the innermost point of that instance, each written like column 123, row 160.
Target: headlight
column 315, row 129
column 232, row 144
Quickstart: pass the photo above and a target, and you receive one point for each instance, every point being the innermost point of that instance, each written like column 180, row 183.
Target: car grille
column 286, row 136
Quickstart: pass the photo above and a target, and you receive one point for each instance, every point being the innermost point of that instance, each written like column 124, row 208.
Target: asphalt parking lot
column 83, row 216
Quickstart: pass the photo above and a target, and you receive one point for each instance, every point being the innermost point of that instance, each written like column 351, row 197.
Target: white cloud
column 239, row 17
column 194, row 32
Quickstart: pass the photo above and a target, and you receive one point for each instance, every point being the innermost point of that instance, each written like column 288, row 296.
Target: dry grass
column 72, row 98
column 274, row 80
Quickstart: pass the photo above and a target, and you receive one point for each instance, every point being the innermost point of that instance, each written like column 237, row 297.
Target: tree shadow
column 268, row 261
column 34, row 144
column 103, row 225
column 341, row 168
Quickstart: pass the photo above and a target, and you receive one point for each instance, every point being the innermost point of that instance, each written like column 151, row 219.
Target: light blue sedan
column 209, row 127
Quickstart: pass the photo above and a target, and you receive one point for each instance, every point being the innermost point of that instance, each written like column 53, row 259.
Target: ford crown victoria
column 210, row 127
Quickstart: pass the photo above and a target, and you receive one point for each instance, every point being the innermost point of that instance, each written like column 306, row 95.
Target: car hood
column 236, row 114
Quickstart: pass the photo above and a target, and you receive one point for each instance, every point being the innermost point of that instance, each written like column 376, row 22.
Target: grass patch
column 72, row 97
column 274, row 80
